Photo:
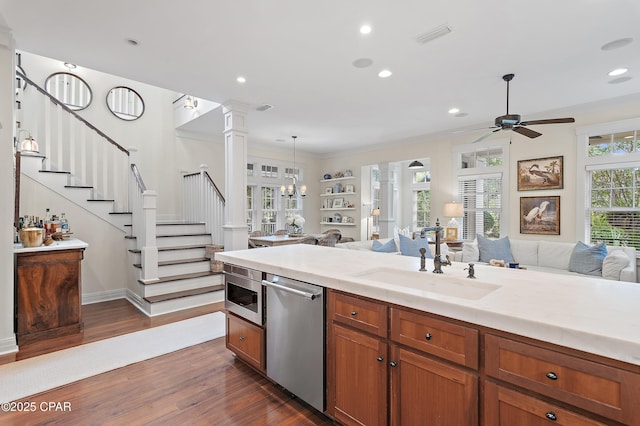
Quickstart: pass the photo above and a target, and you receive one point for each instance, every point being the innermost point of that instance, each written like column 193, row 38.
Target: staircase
column 83, row 165
column 185, row 278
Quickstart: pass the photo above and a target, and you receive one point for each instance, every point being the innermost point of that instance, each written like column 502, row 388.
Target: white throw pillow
column 470, row 252
column 613, row 264
column 444, row 250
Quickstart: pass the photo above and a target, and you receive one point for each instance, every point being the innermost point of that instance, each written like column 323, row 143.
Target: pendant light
column 291, row 189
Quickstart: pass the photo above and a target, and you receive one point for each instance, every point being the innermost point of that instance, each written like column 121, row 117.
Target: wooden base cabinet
column 368, row 367
column 428, row 392
column 48, row 294
column 504, row 406
column 247, row 341
column 360, row 377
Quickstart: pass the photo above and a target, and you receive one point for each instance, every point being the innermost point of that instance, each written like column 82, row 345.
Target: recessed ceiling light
column 241, row 79
column 615, row 44
column 617, row 72
column 70, row 65
column 454, row 110
column 132, row 42
column 384, row 74
column 365, row 29
column 362, row 63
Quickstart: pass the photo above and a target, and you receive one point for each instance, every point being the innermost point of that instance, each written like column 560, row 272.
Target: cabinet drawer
column 362, row 314
column 505, row 406
column 246, row 340
column 452, row 342
column 602, row 389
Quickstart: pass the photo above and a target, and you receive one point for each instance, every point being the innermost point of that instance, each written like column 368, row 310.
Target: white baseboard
column 8, row 345
column 104, row 296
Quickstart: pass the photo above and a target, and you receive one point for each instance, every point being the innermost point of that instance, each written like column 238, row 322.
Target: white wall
column 7, row 176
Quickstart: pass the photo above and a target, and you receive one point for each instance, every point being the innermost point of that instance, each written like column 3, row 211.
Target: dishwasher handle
column 305, row 294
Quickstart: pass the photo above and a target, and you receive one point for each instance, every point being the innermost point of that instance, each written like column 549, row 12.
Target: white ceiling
column 297, row 55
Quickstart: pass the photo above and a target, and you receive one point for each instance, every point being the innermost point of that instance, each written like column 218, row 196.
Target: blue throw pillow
column 388, row 247
column 586, row 259
column 409, row 247
column 494, row 249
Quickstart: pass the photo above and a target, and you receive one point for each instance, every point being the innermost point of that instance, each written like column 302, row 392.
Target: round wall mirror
column 125, row 103
column 69, row 89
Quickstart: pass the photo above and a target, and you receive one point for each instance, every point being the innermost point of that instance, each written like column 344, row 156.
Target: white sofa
column 549, row 256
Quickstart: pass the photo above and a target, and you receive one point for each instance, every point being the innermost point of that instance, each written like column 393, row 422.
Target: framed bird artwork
column 540, row 215
column 541, row 173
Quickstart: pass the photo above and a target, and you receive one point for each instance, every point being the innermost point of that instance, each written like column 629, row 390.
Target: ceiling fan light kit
column 513, row 121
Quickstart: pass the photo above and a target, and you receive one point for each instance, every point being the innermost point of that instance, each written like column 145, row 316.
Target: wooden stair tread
column 55, row 171
column 185, row 293
column 181, row 235
column 179, row 277
column 78, row 187
column 121, row 213
column 95, row 199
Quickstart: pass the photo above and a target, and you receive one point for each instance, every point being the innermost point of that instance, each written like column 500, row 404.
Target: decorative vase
column 295, row 231
column 337, row 188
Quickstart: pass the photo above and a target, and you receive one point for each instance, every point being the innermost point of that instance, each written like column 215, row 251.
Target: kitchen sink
column 463, row 288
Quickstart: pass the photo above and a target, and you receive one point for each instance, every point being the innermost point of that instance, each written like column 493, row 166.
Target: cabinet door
column 507, row 407
column 428, row 392
column 359, row 373
column 246, row 340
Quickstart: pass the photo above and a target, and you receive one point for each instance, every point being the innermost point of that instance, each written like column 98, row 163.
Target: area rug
column 38, row 374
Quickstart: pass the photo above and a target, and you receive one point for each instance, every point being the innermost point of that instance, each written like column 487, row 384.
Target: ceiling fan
column 512, row 121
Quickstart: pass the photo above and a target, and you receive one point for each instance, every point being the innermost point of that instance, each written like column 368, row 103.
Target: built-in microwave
column 244, row 294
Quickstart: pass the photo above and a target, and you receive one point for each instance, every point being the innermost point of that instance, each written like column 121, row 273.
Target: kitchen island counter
column 592, row 315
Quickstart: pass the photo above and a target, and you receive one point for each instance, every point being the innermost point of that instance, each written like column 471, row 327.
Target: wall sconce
column 415, row 164
column 28, row 144
column 190, row 103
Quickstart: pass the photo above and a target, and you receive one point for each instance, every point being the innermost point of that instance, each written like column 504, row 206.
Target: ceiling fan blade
column 549, row 121
column 526, row 132
column 486, row 135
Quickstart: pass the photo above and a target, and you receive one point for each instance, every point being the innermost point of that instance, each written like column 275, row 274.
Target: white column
column 7, row 186
column 388, row 200
column 235, row 140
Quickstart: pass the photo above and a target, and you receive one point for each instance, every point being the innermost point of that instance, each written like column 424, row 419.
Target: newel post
column 149, row 251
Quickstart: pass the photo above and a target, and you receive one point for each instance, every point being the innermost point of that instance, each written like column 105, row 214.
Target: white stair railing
column 203, row 202
column 143, row 209
column 72, row 144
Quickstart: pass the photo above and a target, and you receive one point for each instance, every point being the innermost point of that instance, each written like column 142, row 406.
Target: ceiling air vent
column 264, row 107
column 435, row 33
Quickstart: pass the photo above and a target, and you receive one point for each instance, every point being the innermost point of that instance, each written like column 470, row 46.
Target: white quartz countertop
column 72, row 243
column 593, row 315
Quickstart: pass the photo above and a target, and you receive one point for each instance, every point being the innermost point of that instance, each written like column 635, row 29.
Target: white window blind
column 481, row 196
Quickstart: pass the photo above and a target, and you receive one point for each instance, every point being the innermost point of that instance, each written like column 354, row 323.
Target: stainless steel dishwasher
column 295, row 337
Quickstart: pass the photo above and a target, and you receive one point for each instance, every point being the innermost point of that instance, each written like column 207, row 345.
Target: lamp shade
column 453, row 210
column 415, row 164
column 375, row 212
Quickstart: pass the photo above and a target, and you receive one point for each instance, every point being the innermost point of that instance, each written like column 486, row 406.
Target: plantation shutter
column 481, row 197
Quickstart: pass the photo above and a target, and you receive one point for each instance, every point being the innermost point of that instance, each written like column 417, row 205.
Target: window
column 481, row 198
column 482, row 181
column 609, row 157
column 422, row 203
column 267, row 210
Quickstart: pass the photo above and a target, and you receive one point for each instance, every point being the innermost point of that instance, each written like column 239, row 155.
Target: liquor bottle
column 64, row 224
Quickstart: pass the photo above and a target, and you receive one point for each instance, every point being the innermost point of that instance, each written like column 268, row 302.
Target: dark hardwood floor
column 199, row 385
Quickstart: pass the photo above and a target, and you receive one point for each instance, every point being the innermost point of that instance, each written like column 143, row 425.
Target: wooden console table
column 48, row 296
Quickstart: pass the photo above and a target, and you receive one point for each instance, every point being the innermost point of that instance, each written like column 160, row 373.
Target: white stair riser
column 169, row 255
column 180, row 285
column 183, row 240
column 182, row 303
column 183, row 268
column 180, row 229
